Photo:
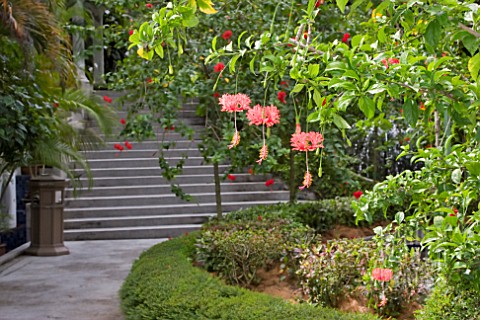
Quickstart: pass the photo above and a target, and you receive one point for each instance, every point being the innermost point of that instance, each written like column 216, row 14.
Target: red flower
column 284, row 83
column 149, row 5
column 259, row 218
column 455, row 211
column 385, row 63
column 268, row 183
column 128, row 145
column 393, row 61
column 216, row 95
column 149, row 80
column 231, row 177
column 324, row 102
column 169, row 128
column 218, row 67
column 118, row 146
column 303, row 141
column 357, row 194
column 130, row 32
column 305, row 35
column 234, row 103
column 422, row 106
column 122, row 121
column 444, row 54
column 281, row 95
column 227, row 35
column 250, row 170
column 107, row 99
column 290, row 44
column 55, row 105
column 407, row 139
column 345, row 38
column 381, row 274
column 318, row 3
column 259, row 115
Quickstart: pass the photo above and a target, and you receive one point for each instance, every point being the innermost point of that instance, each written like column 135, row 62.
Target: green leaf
column 340, row 122
column 206, row 6
column 214, row 44
column 377, row 88
column 313, row 117
column 345, row 100
column 367, row 106
column 410, row 111
column 298, row 87
column 313, row 70
column 382, row 38
column 470, row 42
column 433, row 33
column 159, row 50
column 341, row 5
column 474, row 66
column 317, row 97
column 336, row 65
column 232, row 62
column 457, row 175
column 399, row 216
column 351, row 74
column 473, row 168
column 189, row 19
column 252, row 64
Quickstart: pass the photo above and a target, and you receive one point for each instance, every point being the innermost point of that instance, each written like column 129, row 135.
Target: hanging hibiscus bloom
column 268, row 116
column 306, row 141
column 233, row 104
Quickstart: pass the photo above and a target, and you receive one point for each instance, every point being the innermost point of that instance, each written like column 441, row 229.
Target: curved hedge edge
column 163, row 284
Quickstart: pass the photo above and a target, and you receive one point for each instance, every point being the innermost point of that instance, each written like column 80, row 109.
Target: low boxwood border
column 163, row 284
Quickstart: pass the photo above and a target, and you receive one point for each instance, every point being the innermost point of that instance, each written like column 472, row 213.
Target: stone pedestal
column 47, row 204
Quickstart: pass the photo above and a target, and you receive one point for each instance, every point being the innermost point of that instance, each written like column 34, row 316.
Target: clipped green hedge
column 163, row 284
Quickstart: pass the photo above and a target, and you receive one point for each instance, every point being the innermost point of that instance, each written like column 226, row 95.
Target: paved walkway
column 80, row 286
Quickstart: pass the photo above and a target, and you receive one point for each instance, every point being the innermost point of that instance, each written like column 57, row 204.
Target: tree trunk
column 218, row 193
column 291, row 185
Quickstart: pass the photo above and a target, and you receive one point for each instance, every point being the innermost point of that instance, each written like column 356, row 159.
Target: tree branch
column 469, row 30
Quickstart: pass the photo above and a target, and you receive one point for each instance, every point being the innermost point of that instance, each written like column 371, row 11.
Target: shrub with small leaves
column 327, row 271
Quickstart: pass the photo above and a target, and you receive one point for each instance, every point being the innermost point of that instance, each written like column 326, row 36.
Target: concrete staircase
column 131, row 200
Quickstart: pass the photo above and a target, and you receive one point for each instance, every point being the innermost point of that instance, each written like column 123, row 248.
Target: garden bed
column 163, row 284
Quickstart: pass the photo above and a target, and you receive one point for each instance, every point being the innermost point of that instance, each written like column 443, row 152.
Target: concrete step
column 121, row 162
column 167, row 199
column 146, row 171
column 151, row 232
column 175, row 143
column 137, row 221
column 141, row 153
column 158, row 179
column 186, row 208
column 165, row 189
